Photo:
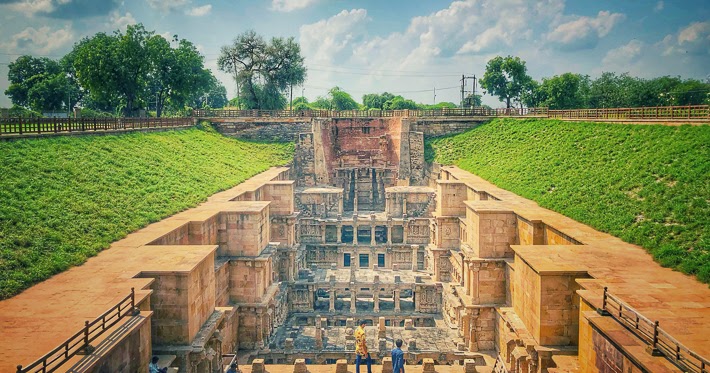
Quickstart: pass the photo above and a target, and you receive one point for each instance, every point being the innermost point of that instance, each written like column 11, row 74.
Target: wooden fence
column 672, row 113
column 656, row 113
column 80, row 343
column 473, row 112
column 658, row 340
column 32, row 125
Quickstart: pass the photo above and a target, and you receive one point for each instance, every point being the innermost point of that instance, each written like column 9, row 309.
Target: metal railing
column 34, row 125
column 454, row 112
column 660, row 343
column 646, row 113
column 80, row 343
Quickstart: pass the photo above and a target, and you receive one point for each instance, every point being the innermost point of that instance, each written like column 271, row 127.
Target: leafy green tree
column 561, row 91
column 439, row 105
column 23, row 73
column 376, row 101
column 40, row 84
column 473, row 100
column 506, row 78
column 533, row 95
column 115, row 65
column 399, row 103
column 300, row 103
column 341, row 100
column 606, row 92
column 263, row 71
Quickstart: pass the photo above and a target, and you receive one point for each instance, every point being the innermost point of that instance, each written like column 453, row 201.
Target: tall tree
column 34, row 83
column 506, row 77
column 341, row 100
column 562, row 91
column 116, row 64
column 263, row 71
column 376, row 101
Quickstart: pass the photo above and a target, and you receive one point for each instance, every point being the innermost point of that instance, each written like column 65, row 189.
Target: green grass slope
column 646, row 184
column 64, row 199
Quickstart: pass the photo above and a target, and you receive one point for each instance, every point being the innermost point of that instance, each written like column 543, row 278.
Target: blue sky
column 409, row 47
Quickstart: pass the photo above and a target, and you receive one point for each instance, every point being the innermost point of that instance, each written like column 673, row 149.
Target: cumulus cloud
column 584, row 32
column 290, row 5
column 199, row 11
column 167, row 6
column 323, row 40
column 119, row 21
column 693, row 39
column 620, row 58
column 65, row 9
column 40, row 41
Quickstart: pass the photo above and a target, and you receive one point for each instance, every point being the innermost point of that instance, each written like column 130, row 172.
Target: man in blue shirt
column 397, row 357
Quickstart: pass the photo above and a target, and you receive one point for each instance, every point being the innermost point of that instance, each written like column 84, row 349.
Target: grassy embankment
column 646, row 184
column 64, row 199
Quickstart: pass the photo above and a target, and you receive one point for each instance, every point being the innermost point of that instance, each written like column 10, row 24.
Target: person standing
column 397, row 357
column 361, row 349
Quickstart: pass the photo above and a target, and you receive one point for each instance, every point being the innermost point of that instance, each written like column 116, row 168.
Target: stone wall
column 262, row 129
column 434, row 127
column 131, row 354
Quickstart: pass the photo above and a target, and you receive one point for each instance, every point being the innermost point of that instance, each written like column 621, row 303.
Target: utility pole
column 463, row 85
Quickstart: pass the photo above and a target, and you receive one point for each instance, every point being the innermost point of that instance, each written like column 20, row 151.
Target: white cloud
column 694, row 39
column 584, row 32
column 290, row 5
column 620, row 58
column 40, row 41
column 118, row 21
column 167, row 5
column 31, row 7
column 659, row 6
column 323, row 40
column 200, row 11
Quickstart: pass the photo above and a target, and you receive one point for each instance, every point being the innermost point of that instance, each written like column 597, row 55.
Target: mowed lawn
column 646, row 184
column 64, row 199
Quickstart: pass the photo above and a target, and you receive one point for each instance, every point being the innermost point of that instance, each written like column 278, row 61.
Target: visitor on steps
column 154, row 368
column 397, row 357
column 361, row 349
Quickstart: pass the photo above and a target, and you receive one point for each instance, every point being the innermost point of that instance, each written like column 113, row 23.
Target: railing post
column 653, row 348
column 602, row 311
column 19, row 369
column 86, row 334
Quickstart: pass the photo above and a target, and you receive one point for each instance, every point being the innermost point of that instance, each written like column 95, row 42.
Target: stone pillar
column 354, row 230
column 372, row 232
column 341, row 366
column 472, row 340
column 376, row 298
column 355, row 196
column 291, row 265
column 415, row 251
column 464, row 275
column 404, row 206
column 382, row 345
column 470, row 366
column 475, row 291
column 404, row 231
column 332, row 300
column 389, row 230
column 387, row 364
column 353, row 298
column 257, row 366
column 259, row 328
column 340, row 230
column 428, row 365
column 381, row 328
column 299, row 366
column 396, row 300
column 322, row 232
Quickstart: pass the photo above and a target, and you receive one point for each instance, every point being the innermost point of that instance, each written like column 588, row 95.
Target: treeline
column 117, row 74
column 507, row 78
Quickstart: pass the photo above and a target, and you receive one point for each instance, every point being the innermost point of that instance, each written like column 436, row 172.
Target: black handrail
column 80, row 342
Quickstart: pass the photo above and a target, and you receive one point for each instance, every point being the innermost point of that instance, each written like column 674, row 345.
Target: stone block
column 299, row 366
column 428, row 365
column 341, row 366
column 395, row 267
column 408, row 324
column 386, row 364
column 382, row 345
column 288, row 344
column 412, row 344
column 469, row 366
column 257, row 366
column 350, row 322
column 381, row 324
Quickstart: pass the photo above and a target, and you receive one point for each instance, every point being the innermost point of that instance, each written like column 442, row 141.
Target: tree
column 375, row 101
column 561, row 91
column 115, row 65
column 300, row 103
column 341, row 100
column 263, row 70
column 399, row 103
column 473, row 100
column 40, row 84
column 506, row 78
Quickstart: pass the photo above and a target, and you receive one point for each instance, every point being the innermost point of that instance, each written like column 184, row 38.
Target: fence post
column 19, row 369
column 20, row 121
column 602, row 311
column 86, row 334
column 653, row 348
